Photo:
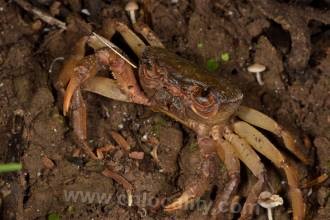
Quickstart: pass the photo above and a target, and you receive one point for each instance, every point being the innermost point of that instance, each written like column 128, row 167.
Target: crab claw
column 196, row 187
column 85, row 69
column 71, row 88
column 186, row 198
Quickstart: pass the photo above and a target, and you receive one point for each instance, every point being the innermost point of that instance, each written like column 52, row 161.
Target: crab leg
column 148, row 34
column 265, row 147
column 226, row 152
column 111, row 26
column 261, row 120
column 250, row 158
column 195, row 188
column 79, row 118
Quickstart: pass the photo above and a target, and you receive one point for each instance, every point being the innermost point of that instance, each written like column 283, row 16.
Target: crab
column 209, row 106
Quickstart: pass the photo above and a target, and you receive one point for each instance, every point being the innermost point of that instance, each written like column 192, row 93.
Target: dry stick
column 121, row 180
column 118, row 178
column 121, row 141
column 53, row 21
column 316, row 181
column 41, row 14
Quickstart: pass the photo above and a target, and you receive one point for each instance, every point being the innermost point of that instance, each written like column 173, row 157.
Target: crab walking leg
column 111, row 26
column 250, row 158
column 78, row 54
column 261, row 120
column 79, row 118
column 196, row 187
column 148, row 34
column 222, row 202
column 265, row 147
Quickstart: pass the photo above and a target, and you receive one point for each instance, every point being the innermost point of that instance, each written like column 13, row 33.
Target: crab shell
column 180, row 88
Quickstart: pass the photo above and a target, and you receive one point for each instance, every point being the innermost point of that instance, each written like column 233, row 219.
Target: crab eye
column 203, row 102
column 149, row 76
column 150, row 72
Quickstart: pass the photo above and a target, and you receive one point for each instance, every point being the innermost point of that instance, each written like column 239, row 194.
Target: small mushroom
column 268, row 201
column 257, row 69
column 131, row 7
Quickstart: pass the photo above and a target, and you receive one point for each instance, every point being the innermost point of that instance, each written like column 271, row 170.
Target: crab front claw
column 84, row 70
column 192, row 192
column 199, row 183
column 77, row 54
column 79, row 73
column 70, row 89
column 187, row 197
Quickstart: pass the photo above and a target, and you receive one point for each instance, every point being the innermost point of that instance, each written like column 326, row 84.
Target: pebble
column 144, row 138
column 138, row 155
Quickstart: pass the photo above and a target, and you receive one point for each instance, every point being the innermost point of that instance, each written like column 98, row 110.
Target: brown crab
column 209, row 106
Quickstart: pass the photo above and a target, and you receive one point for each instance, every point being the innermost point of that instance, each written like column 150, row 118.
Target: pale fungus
column 257, row 69
column 268, row 201
column 131, row 7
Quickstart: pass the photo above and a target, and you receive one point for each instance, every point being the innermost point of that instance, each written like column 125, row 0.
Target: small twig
column 121, row 141
column 48, row 163
column 50, row 70
column 41, row 14
column 10, row 167
column 105, row 149
column 122, row 181
column 137, row 155
column 155, row 144
column 315, row 181
column 118, row 178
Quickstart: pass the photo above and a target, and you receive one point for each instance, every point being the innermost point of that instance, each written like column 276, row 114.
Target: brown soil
column 292, row 38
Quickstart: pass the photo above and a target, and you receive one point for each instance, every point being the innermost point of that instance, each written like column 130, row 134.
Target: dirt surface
column 291, row 38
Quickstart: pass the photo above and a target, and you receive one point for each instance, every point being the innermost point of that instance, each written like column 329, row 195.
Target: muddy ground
column 291, row 38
